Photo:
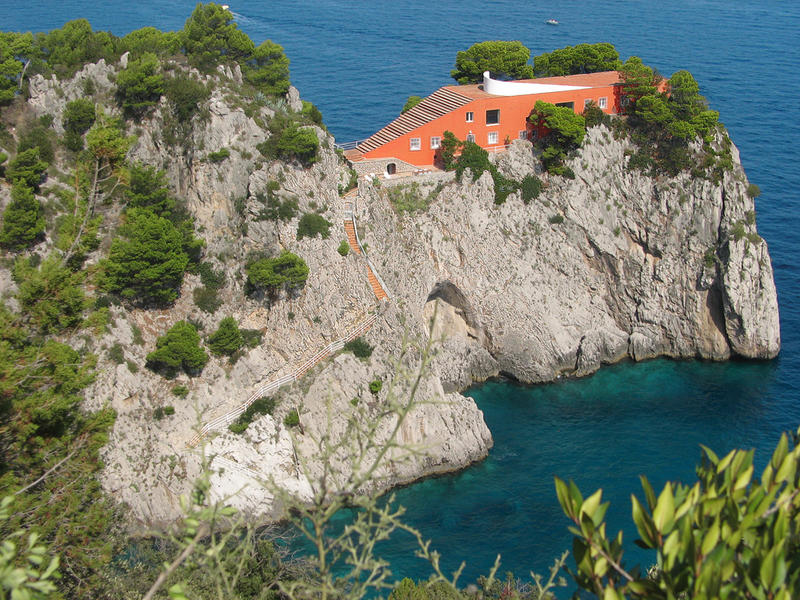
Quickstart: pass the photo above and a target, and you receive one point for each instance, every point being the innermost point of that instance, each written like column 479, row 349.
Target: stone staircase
column 350, row 230
column 375, row 283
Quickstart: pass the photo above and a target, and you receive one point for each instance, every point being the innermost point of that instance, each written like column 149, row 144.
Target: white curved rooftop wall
column 518, row 88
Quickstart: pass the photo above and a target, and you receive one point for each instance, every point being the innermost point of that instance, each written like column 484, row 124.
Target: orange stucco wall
column 514, row 111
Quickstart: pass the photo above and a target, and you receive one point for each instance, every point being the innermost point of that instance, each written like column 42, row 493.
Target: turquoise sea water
column 359, row 61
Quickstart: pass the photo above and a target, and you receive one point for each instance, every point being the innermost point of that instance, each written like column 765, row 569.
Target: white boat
column 551, row 22
column 225, row 7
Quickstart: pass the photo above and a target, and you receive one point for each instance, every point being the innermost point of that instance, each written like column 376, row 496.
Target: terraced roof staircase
column 438, row 104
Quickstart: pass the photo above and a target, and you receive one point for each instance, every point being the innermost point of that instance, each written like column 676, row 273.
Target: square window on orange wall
column 436, row 141
column 492, row 137
column 493, row 116
column 602, row 102
column 470, row 116
column 415, row 144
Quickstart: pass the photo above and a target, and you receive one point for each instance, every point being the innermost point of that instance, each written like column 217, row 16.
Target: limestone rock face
column 612, row 264
column 640, row 267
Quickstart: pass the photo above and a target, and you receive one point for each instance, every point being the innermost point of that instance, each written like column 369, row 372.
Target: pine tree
column 23, row 221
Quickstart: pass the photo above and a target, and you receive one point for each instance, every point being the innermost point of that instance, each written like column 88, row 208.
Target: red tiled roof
column 441, row 102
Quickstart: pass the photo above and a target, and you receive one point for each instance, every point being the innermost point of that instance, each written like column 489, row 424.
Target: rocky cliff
column 610, row 265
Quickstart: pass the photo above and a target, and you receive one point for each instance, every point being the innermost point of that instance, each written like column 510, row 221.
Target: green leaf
column 649, row 494
column 664, row 513
column 711, row 538
column 562, row 492
column 787, row 469
column 744, row 479
column 643, row 524
column 590, row 505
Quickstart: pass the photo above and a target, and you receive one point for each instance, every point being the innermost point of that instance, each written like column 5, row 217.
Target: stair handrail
column 296, row 373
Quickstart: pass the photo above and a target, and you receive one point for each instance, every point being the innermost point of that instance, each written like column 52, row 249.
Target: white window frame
column 602, row 102
column 415, row 144
column 471, row 137
column 470, row 116
column 493, row 137
column 436, row 142
column 498, row 117
column 523, row 134
column 587, row 102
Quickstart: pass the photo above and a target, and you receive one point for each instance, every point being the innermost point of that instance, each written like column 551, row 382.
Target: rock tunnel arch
column 454, row 314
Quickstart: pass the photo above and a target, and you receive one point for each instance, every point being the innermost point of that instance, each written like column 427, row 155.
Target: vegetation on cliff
column 84, row 228
column 501, row 59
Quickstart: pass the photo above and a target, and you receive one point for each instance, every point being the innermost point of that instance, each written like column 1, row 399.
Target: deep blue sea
column 358, row 61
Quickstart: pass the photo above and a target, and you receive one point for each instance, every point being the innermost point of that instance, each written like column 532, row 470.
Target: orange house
column 491, row 114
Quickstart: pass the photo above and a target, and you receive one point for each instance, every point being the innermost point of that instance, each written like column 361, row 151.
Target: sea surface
column 358, row 61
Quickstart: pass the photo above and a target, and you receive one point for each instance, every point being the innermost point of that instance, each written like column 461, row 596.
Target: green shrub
column 147, row 261
column 292, row 419
column 275, row 209
column 251, row 337
column 206, row 299
column 211, row 37
column 409, row 198
column 728, row 534
column 290, row 141
column 438, row 590
column 262, row 406
column 738, row 231
column 375, row 386
column 219, row 155
column 594, row 115
column 73, row 141
column 185, row 94
column 79, row 116
column 51, row 296
column 311, row 225
column 181, row 391
column 39, row 136
column 23, row 219
column 271, row 274
column 411, row 103
column 147, row 188
column 311, row 113
column 531, row 187
column 753, row 190
column 116, row 354
column 267, row 69
column 161, row 411
column 227, row 339
column 179, row 348
column 344, row 248
column 140, row 85
column 709, row 257
column 209, row 277
column 26, row 168
column 359, row 347
column 556, row 219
